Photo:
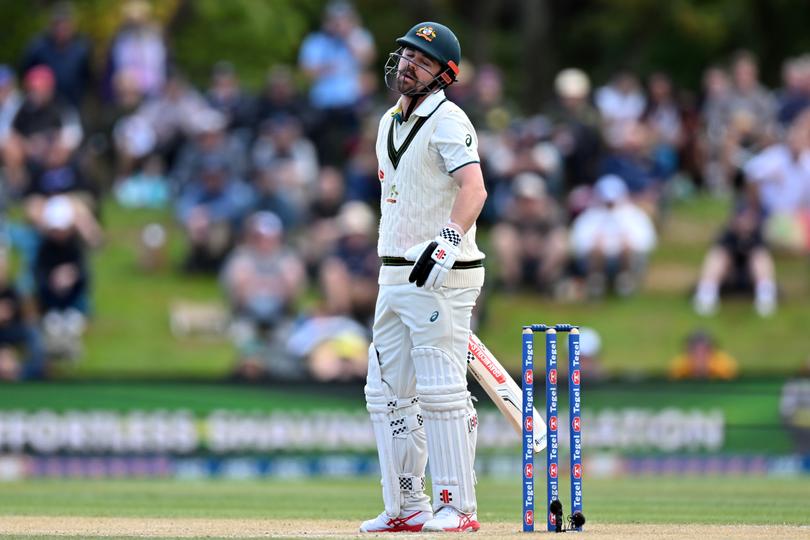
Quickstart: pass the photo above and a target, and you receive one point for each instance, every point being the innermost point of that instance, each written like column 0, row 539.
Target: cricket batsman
column 431, row 275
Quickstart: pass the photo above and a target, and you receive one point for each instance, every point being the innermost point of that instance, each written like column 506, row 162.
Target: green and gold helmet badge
column 427, row 33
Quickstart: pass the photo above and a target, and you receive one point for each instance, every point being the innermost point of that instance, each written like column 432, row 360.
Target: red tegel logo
column 486, row 361
column 577, row 472
column 552, row 423
column 552, row 376
column 529, row 376
column 529, row 472
column 529, row 423
column 529, row 517
column 552, row 470
column 575, row 376
column 576, row 423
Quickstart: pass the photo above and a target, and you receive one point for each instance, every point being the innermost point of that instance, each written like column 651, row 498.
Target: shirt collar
column 427, row 106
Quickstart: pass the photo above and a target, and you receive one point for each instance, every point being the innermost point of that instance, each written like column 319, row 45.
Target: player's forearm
column 470, row 199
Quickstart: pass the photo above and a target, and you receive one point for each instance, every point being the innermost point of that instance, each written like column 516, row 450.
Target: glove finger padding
column 437, row 276
column 424, row 265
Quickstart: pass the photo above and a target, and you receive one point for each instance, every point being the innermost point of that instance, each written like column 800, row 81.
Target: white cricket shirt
column 416, row 159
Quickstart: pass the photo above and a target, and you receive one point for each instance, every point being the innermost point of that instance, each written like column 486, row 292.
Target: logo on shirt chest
column 392, row 194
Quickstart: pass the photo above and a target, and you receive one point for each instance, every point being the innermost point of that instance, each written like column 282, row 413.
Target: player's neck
column 409, row 104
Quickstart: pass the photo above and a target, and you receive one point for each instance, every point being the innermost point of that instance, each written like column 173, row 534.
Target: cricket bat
column 502, row 389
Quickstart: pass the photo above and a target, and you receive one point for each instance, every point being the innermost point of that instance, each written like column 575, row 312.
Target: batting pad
column 451, row 424
column 401, row 446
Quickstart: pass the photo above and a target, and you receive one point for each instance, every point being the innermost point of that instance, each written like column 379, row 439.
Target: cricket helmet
column 436, row 41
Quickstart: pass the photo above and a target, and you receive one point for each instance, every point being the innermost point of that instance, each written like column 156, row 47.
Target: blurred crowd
column 276, row 190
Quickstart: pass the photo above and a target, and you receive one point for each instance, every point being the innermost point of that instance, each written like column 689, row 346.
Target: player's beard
column 407, row 82
column 395, row 69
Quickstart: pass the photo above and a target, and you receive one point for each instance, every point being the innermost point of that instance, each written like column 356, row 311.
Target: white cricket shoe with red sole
column 448, row 519
column 409, row 521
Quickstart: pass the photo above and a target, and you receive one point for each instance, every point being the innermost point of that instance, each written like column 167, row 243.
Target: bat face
column 502, row 389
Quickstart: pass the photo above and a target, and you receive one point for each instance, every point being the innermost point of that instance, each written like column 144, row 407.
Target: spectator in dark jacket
column 65, row 52
column 45, row 130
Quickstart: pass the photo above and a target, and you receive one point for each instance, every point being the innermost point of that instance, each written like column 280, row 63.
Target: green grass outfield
column 674, row 500
column 129, row 334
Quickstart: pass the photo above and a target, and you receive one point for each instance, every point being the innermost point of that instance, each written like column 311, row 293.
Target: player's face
column 416, row 70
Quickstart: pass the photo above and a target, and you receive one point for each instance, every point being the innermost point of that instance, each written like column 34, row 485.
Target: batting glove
column 434, row 259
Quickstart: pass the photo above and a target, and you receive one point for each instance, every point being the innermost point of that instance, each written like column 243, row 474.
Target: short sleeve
column 763, row 166
column 311, row 55
column 456, row 141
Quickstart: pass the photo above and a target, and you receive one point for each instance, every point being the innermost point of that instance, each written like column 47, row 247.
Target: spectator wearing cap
column 348, row 275
column 334, row 59
column 611, row 240
column 62, row 277
column 45, row 131
column 19, row 337
column 577, row 131
column 530, row 240
column 10, row 102
column 210, row 209
column 65, row 52
column 137, row 51
column 263, row 279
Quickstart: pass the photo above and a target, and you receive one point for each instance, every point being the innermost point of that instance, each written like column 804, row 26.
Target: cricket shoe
column 409, row 521
column 448, row 519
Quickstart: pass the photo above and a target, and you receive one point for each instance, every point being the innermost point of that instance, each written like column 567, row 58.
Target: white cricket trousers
column 417, row 394
column 407, row 317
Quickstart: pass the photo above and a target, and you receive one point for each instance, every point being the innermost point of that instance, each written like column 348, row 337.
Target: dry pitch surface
column 89, row 527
